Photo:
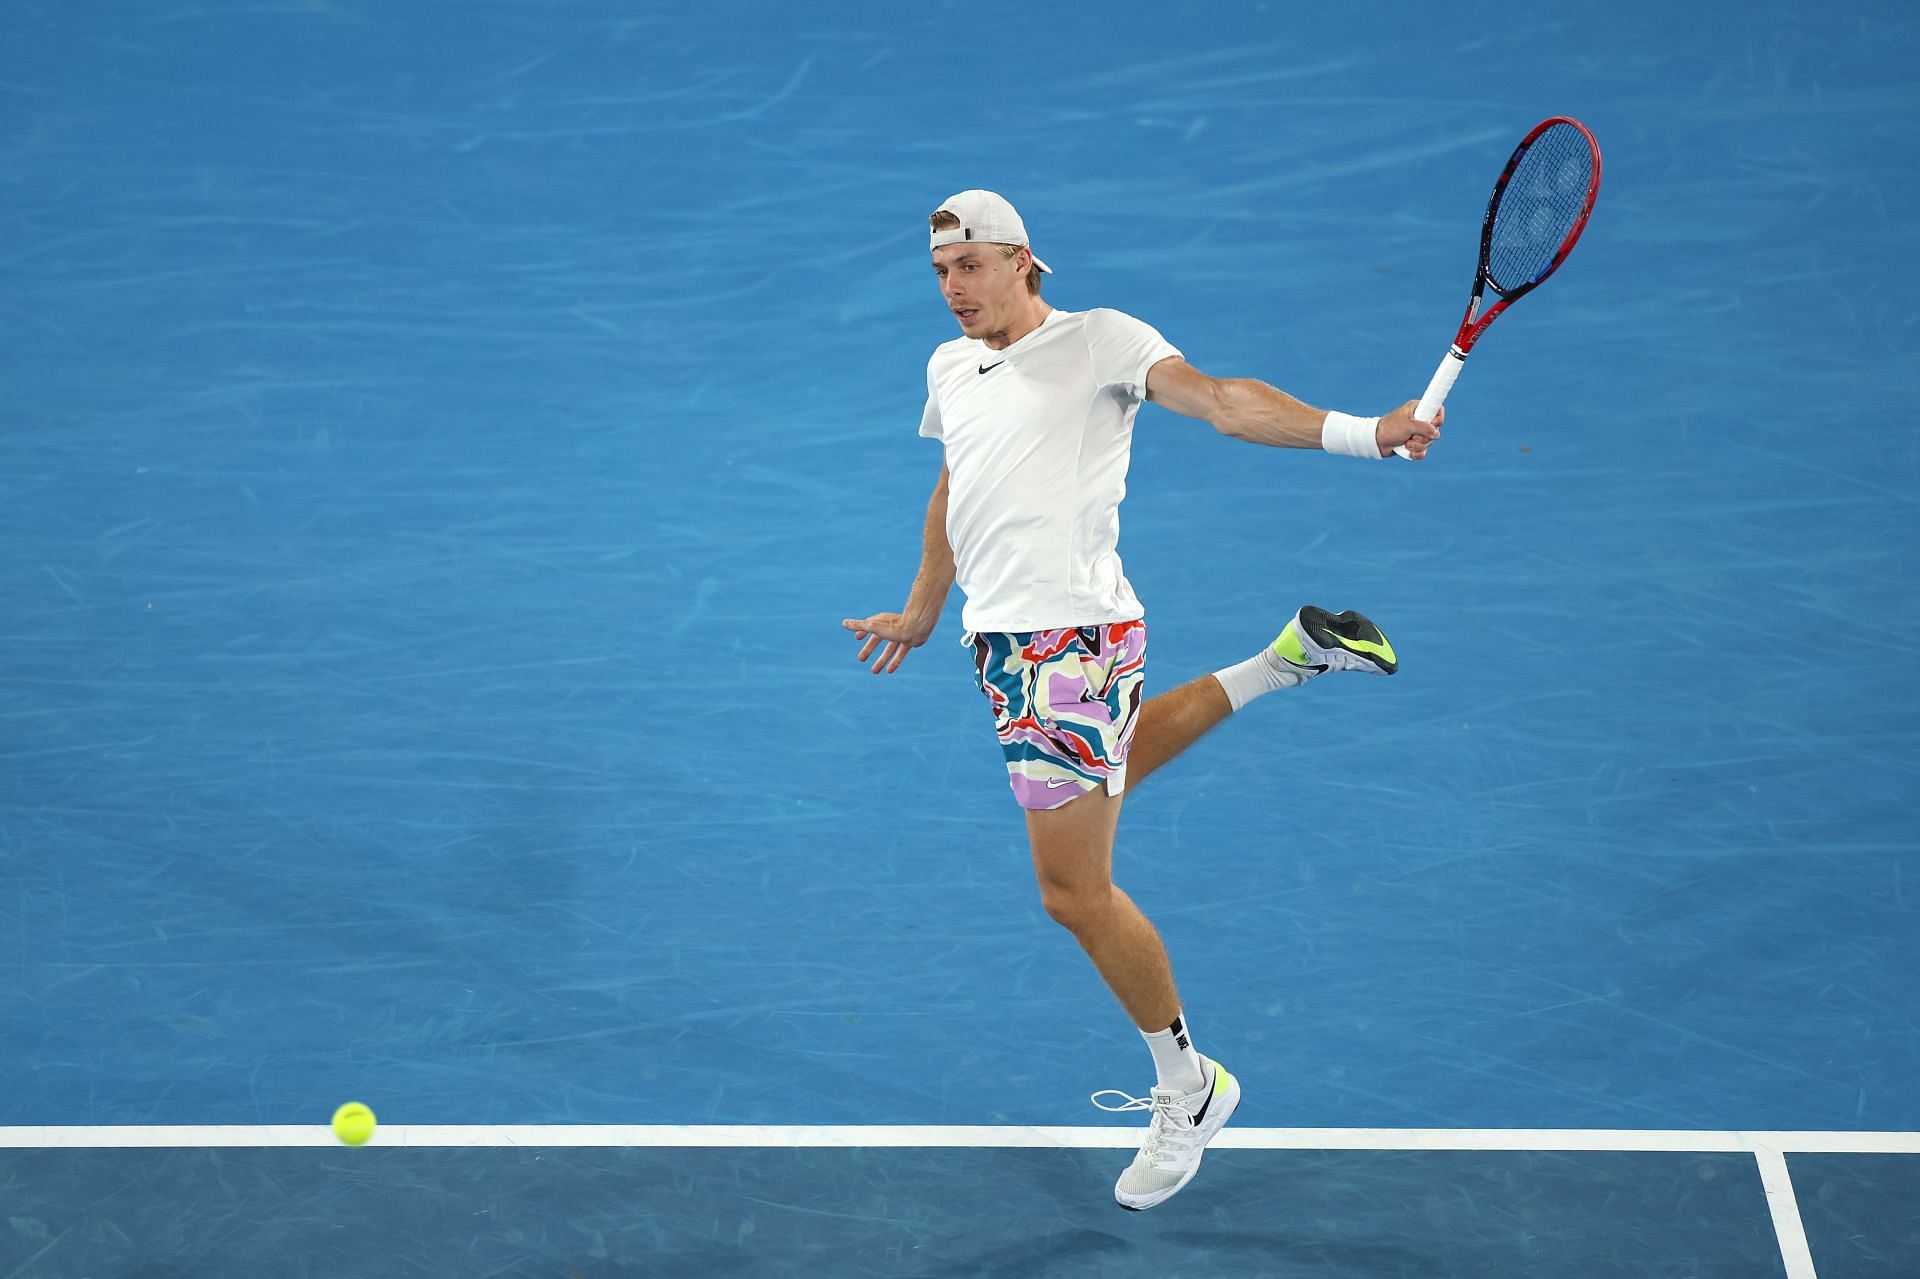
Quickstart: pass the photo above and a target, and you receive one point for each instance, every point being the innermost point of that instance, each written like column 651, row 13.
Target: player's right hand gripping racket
column 1538, row 210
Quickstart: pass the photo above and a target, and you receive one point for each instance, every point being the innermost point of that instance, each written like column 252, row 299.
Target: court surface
column 440, row 443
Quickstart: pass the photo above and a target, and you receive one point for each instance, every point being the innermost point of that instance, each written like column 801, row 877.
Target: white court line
column 1769, row 1149
column 1625, row 1140
column 1787, row 1227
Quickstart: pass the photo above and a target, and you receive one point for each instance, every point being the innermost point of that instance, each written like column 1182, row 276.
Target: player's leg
column 1194, row 1096
column 1313, row 643
column 1066, row 703
column 1172, row 721
column 1073, row 861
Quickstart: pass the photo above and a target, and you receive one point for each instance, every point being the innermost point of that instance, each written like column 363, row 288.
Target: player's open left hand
column 1399, row 427
column 891, row 630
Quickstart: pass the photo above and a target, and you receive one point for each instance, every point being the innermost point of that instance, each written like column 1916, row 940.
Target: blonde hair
column 944, row 220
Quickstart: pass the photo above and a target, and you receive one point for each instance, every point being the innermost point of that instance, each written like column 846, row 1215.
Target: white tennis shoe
column 1177, row 1135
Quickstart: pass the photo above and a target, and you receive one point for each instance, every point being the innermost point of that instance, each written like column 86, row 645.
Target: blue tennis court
column 440, row 443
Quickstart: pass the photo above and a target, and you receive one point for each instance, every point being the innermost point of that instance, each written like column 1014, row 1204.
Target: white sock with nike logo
column 1174, row 1059
column 1264, row 672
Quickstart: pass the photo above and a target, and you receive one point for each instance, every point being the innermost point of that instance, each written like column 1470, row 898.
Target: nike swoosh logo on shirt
column 988, row 368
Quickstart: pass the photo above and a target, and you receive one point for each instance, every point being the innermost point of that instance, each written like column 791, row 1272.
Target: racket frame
column 1474, row 323
column 1471, row 327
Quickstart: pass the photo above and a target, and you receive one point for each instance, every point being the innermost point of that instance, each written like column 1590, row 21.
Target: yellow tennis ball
column 353, row 1123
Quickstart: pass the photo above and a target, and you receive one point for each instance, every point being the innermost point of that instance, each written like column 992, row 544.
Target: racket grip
column 1436, row 394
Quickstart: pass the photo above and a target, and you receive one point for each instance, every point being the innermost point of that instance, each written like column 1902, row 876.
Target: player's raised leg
column 1312, row 643
column 1172, row 721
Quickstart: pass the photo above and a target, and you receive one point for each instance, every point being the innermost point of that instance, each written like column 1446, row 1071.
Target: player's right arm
column 896, row 634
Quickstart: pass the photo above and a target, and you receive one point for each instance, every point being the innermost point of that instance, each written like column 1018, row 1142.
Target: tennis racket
column 1539, row 208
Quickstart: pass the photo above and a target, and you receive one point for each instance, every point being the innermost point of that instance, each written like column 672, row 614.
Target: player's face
column 984, row 290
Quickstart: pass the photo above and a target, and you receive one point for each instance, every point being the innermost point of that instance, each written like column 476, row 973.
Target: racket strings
column 1543, row 202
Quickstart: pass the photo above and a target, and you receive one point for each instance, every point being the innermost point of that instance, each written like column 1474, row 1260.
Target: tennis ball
column 353, row 1123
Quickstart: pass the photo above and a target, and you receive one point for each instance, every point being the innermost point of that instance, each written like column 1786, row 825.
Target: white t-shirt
column 1038, row 437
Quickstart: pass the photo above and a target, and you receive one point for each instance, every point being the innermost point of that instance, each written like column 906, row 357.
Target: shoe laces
column 1170, row 1131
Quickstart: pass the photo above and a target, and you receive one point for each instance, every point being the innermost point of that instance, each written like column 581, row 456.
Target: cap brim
column 1038, row 265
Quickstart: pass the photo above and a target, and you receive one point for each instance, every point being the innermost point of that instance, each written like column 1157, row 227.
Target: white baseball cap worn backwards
column 985, row 217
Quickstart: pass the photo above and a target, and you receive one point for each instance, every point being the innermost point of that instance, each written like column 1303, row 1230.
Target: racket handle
column 1436, row 394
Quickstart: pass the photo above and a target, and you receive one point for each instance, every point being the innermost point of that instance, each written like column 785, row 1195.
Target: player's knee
column 1074, row 908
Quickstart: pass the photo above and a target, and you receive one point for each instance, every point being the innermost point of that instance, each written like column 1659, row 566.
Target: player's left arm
column 1260, row 414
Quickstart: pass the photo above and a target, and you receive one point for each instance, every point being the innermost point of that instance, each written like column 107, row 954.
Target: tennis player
column 1034, row 408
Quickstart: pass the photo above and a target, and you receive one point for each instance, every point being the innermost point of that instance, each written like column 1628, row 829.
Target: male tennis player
column 1035, row 409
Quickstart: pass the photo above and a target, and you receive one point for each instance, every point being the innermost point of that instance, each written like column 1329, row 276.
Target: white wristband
column 1353, row 436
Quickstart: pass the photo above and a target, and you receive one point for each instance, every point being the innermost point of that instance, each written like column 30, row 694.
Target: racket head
column 1539, row 207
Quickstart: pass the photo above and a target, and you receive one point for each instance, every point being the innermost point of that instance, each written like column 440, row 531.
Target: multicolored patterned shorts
column 1064, row 704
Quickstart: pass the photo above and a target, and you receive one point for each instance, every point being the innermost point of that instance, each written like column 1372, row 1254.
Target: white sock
column 1174, row 1059
column 1264, row 672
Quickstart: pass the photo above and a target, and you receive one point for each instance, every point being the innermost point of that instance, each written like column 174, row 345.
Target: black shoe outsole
column 1328, row 629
